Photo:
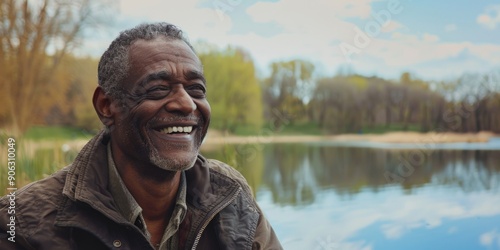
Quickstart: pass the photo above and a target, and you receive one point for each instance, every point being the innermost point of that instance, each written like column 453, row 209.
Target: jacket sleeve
column 265, row 238
column 10, row 239
column 6, row 244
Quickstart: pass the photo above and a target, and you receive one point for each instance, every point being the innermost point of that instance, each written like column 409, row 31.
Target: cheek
column 205, row 110
column 142, row 113
column 134, row 122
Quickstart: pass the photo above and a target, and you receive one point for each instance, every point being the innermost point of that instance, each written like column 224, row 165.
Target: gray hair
column 114, row 64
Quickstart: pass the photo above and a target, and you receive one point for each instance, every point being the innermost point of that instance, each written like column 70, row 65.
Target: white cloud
column 321, row 20
column 312, row 11
column 450, row 27
column 488, row 239
column 197, row 22
column 406, row 51
column 490, row 18
column 430, row 38
column 392, row 26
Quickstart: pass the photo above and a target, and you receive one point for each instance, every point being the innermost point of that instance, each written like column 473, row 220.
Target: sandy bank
column 392, row 137
column 214, row 139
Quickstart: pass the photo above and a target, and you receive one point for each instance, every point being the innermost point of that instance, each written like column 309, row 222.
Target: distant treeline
column 344, row 103
column 354, row 103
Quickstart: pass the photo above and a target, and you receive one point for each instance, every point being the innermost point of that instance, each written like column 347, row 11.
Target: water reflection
column 329, row 197
column 295, row 172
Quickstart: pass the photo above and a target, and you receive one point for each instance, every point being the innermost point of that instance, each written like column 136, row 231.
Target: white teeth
column 170, row 130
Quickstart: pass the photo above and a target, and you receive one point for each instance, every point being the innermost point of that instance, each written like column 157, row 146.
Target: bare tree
column 34, row 37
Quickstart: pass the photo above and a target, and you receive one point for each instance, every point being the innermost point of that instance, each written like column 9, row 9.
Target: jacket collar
column 87, row 181
column 88, row 177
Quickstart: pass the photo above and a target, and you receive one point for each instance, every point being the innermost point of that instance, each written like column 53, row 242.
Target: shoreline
column 215, row 139
column 390, row 137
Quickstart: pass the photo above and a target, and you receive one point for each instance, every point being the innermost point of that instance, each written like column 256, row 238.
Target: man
column 141, row 183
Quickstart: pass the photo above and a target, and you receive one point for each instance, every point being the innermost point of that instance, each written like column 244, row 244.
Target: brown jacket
column 73, row 209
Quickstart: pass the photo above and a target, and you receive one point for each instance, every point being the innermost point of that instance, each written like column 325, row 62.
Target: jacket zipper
column 214, row 212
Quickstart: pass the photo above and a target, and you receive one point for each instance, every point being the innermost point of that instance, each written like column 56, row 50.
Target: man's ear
column 103, row 107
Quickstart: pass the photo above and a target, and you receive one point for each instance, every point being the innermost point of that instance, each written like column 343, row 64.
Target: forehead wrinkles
column 177, row 50
column 156, row 55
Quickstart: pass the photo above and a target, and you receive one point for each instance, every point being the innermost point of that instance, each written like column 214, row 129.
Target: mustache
column 176, row 118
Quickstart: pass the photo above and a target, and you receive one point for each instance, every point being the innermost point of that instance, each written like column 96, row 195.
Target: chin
column 182, row 163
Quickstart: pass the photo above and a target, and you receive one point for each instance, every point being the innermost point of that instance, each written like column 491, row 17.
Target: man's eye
column 157, row 92
column 197, row 91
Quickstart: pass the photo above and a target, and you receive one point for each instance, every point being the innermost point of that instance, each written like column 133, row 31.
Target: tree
column 34, row 38
column 340, row 103
column 233, row 90
column 287, row 89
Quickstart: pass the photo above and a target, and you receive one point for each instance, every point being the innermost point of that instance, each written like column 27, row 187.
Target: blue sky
column 434, row 40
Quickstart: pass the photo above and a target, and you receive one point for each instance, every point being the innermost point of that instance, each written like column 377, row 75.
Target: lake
column 353, row 196
column 328, row 196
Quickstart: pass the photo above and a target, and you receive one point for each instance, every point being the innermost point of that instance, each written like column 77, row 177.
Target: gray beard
column 171, row 164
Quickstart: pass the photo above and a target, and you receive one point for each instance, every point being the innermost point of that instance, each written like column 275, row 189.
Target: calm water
column 353, row 197
column 338, row 197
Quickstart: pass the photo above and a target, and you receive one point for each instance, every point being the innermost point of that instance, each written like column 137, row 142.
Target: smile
column 177, row 129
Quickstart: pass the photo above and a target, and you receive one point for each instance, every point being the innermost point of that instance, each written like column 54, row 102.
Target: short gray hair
column 114, row 64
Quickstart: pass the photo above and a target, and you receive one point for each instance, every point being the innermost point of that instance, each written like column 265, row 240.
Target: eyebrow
column 194, row 75
column 165, row 75
column 162, row 75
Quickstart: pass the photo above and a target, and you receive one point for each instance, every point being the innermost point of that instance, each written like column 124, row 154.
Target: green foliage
column 359, row 82
column 297, row 128
column 56, row 133
column 84, row 79
column 301, row 128
column 38, row 159
column 286, row 89
column 233, row 90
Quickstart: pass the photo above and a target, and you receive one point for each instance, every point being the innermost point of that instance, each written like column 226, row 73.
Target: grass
column 268, row 129
column 56, row 133
column 39, row 153
column 302, row 128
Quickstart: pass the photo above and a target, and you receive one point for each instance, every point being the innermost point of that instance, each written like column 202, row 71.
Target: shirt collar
column 130, row 209
column 124, row 200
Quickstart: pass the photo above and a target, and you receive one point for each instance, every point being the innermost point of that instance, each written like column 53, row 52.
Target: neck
column 156, row 198
column 153, row 188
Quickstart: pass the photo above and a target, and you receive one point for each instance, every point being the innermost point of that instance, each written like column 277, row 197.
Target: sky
column 433, row 40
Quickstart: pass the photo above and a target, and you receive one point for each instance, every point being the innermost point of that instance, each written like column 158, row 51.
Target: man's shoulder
column 230, row 172
column 225, row 169
column 42, row 189
column 34, row 201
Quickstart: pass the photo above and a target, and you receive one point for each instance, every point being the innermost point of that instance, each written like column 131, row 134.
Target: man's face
column 166, row 113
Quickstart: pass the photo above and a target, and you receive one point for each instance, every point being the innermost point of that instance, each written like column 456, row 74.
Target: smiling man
column 141, row 183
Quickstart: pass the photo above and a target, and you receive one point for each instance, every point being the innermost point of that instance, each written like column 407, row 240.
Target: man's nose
column 180, row 101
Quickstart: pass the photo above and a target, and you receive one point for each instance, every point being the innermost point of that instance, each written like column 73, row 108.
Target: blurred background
column 287, row 80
